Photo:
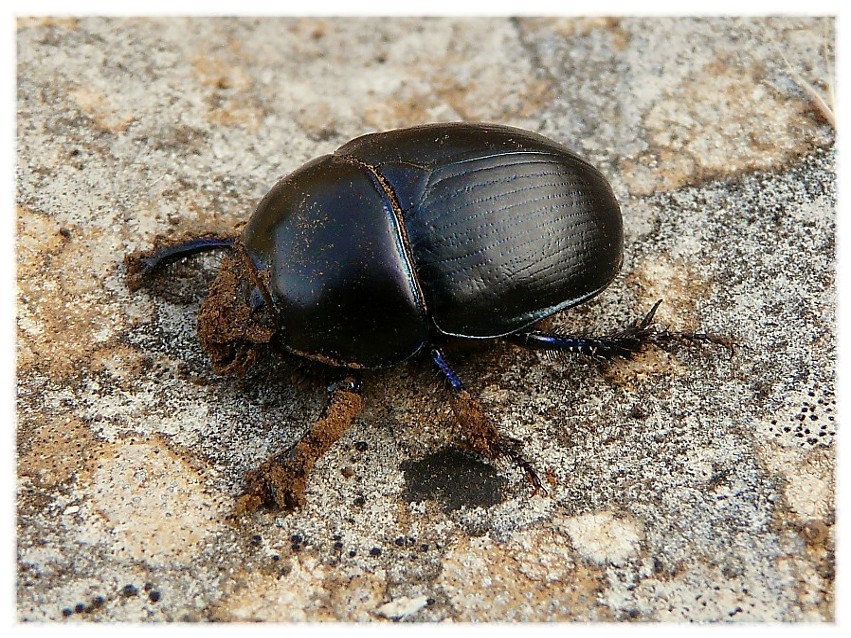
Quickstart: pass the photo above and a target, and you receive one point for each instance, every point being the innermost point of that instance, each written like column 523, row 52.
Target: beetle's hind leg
column 623, row 344
column 281, row 480
column 479, row 432
column 144, row 263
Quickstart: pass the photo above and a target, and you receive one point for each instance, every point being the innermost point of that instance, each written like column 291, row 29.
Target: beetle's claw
column 483, row 437
column 509, row 448
column 279, row 483
column 643, row 333
column 665, row 337
column 648, row 318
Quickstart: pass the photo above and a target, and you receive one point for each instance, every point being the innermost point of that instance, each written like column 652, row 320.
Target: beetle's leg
column 142, row 264
column 281, row 480
column 622, row 344
column 480, row 433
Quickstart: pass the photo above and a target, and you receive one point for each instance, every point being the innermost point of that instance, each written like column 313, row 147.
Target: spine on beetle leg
column 602, row 348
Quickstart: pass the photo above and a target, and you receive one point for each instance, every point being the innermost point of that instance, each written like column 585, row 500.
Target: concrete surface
column 688, row 485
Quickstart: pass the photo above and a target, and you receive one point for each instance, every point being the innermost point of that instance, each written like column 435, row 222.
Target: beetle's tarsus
column 623, row 344
column 280, row 481
column 478, row 431
column 510, row 448
column 666, row 337
column 481, row 435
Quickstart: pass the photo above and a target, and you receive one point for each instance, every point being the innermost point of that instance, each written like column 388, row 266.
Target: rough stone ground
column 687, row 485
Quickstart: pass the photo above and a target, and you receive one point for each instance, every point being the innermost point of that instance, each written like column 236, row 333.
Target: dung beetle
column 364, row 258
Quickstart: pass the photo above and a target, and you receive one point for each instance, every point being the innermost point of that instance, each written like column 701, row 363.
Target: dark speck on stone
column 637, row 412
column 129, row 590
column 79, row 608
column 361, row 446
column 453, row 478
column 67, row 612
column 375, row 551
column 154, row 596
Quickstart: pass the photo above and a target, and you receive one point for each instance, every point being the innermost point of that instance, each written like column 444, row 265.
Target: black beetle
column 363, row 258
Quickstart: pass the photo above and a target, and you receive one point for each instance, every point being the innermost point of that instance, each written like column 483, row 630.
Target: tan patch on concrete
column 31, row 22
column 809, row 484
column 309, row 591
column 122, row 363
column 402, row 607
column 233, row 101
column 56, row 451
column 37, row 234
column 679, row 287
column 809, row 495
column 239, row 110
column 673, row 281
column 652, row 362
column 807, row 525
column 482, row 92
column 722, row 120
column 812, row 587
column 101, row 109
column 603, row 538
column 531, row 578
column 354, row 597
column 158, row 507
column 62, row 318
column 466, row 98
column 220, row 72
column 575, row 27
column 569, row 27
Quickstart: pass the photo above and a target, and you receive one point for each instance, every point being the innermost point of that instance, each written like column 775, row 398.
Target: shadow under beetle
column 366, row 257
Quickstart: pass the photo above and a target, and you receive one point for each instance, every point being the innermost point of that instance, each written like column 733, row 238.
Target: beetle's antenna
column 142, row 264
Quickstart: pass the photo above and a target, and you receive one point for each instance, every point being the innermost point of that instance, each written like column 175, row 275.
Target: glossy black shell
column 471, row 230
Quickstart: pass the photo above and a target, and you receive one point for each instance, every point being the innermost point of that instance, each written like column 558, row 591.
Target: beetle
column 373, row 254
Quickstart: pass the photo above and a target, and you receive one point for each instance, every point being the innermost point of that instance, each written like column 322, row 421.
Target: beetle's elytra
column 365, row 257
column 469, row 230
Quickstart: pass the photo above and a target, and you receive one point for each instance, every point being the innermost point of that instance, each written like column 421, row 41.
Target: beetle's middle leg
column 281, row 480
column 478, row 430
column 623, row 344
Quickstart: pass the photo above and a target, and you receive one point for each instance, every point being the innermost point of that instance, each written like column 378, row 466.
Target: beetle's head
column 232, row 330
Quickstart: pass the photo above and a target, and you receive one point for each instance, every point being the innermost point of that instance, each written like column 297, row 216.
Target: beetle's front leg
column 478, row 430
column 281, row 480
column 623, row 344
